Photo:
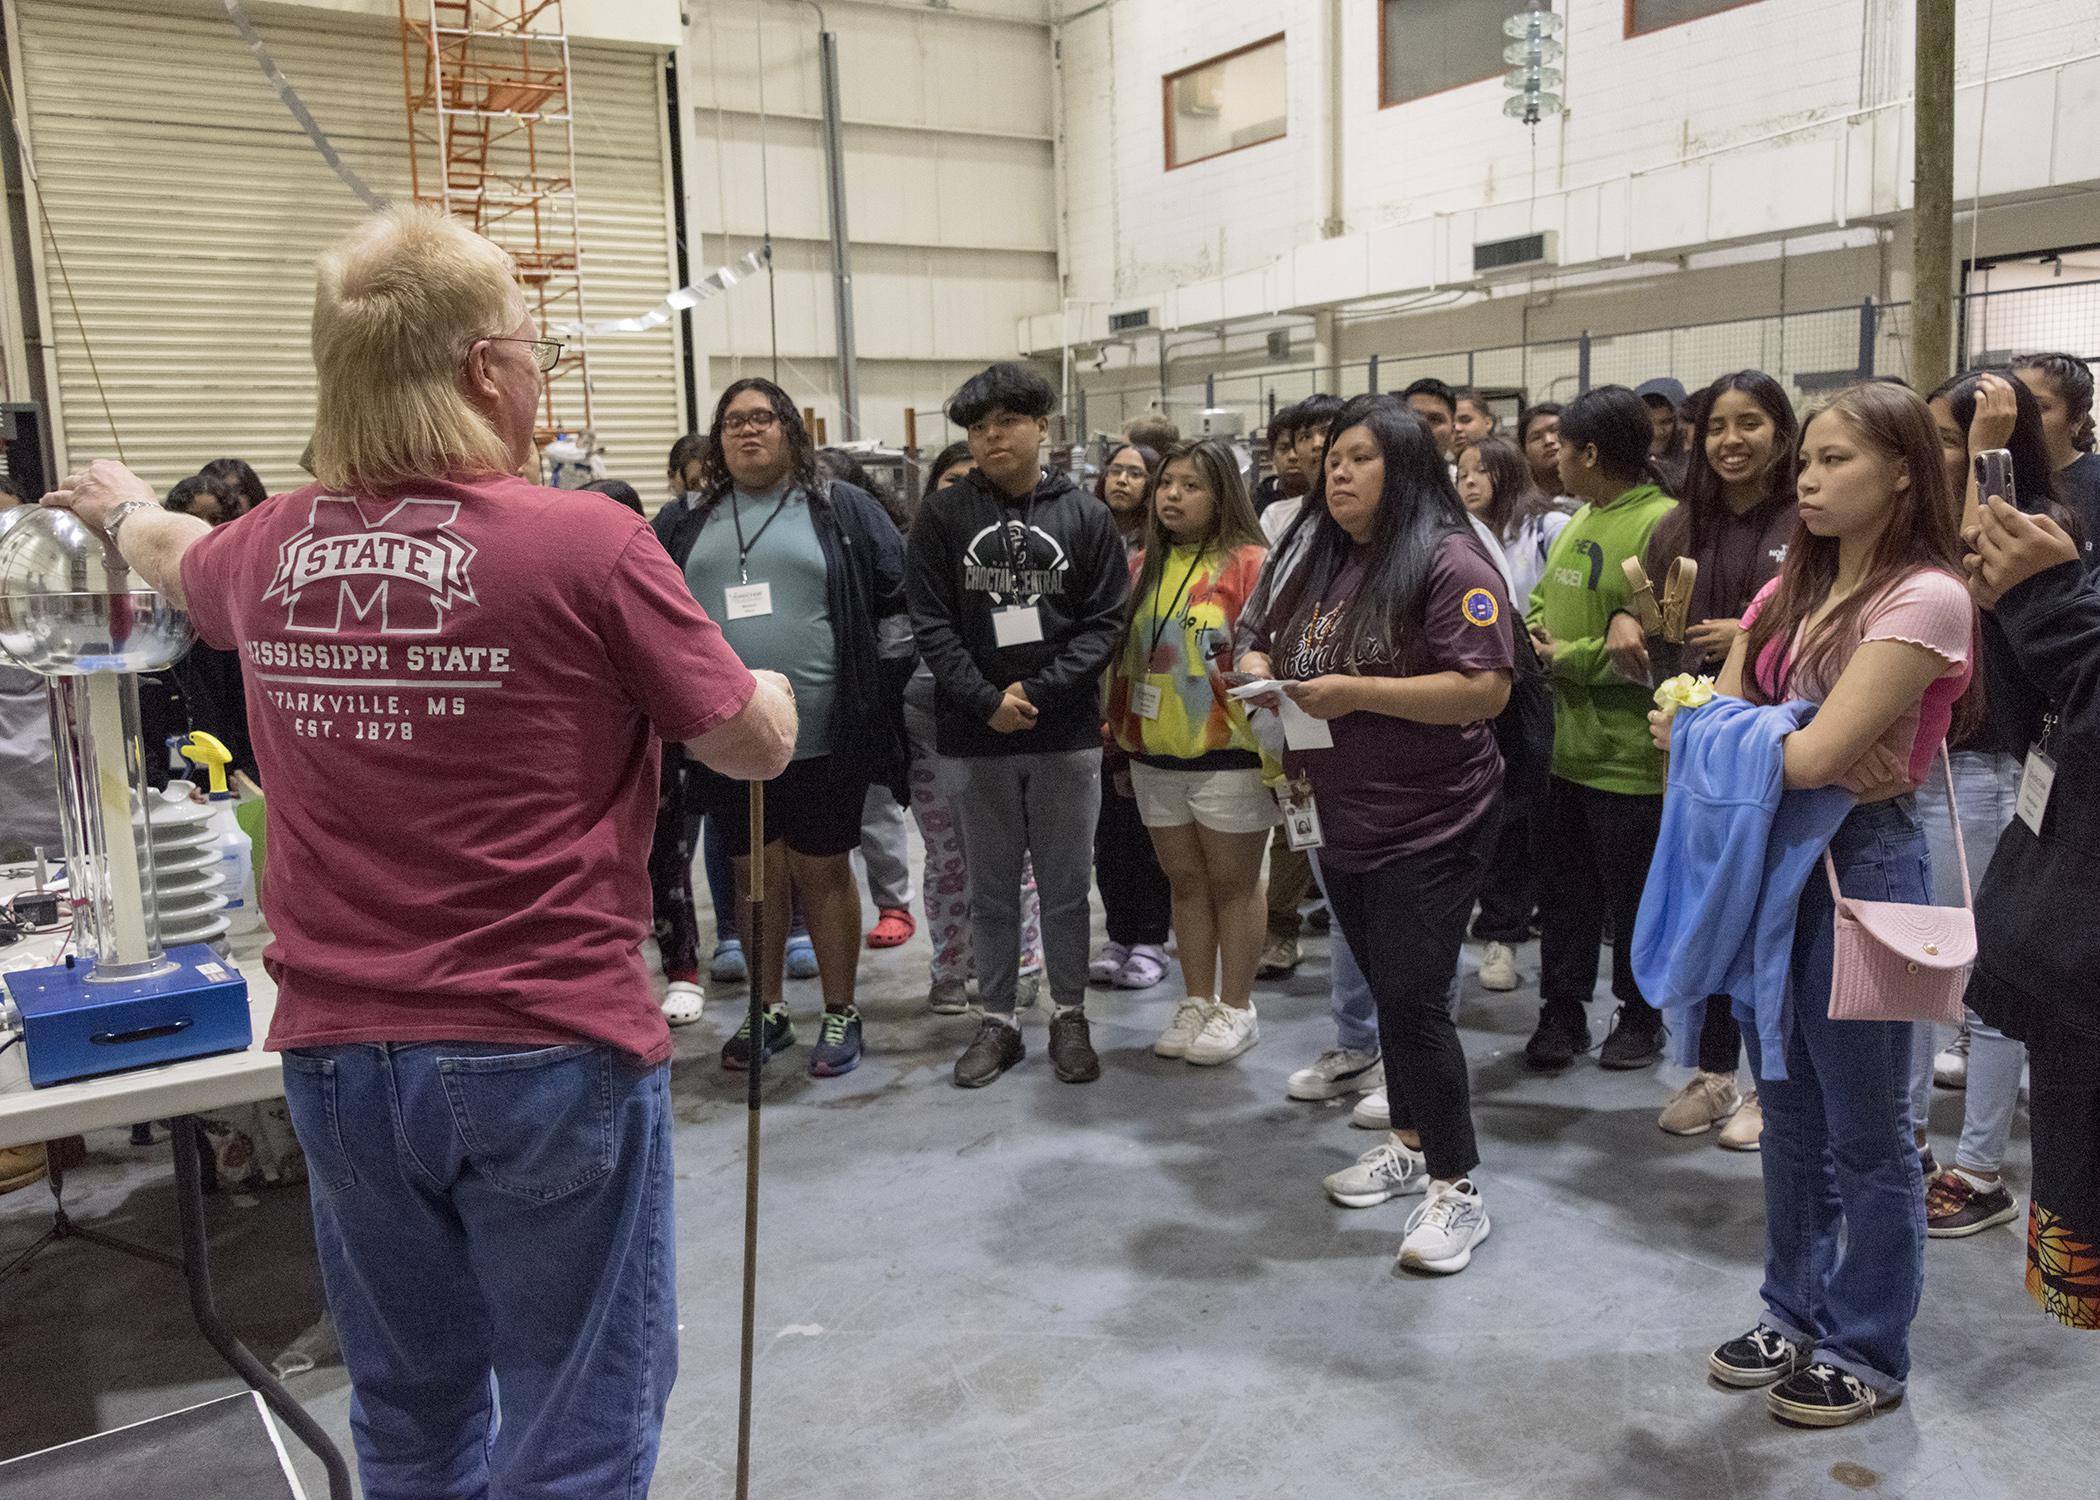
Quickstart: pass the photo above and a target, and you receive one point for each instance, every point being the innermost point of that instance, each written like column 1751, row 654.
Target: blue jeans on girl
column 1844, row 1200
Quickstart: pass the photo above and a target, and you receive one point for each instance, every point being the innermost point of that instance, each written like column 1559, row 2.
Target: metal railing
column 1807, row 352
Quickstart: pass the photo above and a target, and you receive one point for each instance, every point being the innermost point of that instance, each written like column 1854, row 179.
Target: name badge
column 747, row 601
column 2036, row 783
column 1301, row 818
column 1017, row 625
column 1144, row 699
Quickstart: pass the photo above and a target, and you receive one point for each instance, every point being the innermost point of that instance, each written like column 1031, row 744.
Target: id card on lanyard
column 2037, row 780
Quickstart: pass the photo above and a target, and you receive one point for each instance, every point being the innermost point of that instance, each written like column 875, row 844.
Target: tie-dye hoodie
column 1186, row 619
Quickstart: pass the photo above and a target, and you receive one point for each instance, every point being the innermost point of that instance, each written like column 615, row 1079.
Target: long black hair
column 2034, row 483
column 715, row 480
column 1615, row 421
column 1417, row 510
column 946, row 459
column 1702, row 503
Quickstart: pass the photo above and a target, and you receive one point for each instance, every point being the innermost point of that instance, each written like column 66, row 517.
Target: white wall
column 1674, row 146
column 653, row 23
column 951, row 189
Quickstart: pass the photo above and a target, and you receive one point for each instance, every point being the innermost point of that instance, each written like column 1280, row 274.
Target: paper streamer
column 238, row 14
column 713, row 284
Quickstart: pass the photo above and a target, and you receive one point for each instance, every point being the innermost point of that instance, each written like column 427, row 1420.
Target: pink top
column 1927, row 608
column 457, row 696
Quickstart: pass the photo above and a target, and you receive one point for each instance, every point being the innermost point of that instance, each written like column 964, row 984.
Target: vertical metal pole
column 1582, row 362
column 1373, row 375
column 755, row 937
column 1932, row 214
column 1867, row 323
column 1210, row 391
column 841, row 263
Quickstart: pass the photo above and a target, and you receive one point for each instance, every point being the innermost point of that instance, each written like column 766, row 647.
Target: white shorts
column 1222, row 801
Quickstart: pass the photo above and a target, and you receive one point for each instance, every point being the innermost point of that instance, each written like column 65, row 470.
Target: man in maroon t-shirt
column 457, row 684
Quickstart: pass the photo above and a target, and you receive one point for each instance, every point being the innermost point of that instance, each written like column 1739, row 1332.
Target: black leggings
column 1404, row 924
column 1135, row 897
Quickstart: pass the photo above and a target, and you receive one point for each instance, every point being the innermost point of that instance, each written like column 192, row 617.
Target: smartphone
column 1994, row 476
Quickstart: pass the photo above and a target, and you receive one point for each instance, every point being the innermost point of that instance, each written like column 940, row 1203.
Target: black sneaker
column 779, row 1036
column 1955, row 1207
column 838, row 1044
column 1824, row 1396
column 1072, row 1048
column 1759, row 1357
column 1560, row 1037
column 996, row 1047
column 1636, row 1040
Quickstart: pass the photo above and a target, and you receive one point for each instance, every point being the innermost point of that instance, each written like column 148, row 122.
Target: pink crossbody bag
column 1896, row 962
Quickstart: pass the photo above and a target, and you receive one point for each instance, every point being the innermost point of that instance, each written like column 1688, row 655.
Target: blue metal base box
column 74, row 1029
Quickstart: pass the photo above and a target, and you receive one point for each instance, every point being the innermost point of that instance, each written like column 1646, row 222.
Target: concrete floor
column 1137, row 1288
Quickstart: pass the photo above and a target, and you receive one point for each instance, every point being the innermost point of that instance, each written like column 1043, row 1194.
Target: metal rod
column 841, row 260
column 1932, row 220
column 755, row 939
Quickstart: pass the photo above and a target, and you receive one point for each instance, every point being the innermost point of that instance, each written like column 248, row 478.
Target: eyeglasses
column 750, row 421
column 546, row 353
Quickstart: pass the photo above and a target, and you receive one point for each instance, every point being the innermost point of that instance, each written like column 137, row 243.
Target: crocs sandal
column 894, row 928
column 682, row 1001
column 1145, row 967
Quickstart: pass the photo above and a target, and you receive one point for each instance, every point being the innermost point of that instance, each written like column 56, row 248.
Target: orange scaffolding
column 492, row 140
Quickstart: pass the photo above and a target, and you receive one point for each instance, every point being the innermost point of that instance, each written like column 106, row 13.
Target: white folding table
column 177, row 1093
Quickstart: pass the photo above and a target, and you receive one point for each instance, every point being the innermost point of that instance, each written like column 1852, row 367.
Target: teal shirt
column 795, row 639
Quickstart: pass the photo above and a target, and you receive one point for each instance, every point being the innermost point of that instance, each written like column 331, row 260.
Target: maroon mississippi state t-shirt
column 1392, row 787
column 457, row 694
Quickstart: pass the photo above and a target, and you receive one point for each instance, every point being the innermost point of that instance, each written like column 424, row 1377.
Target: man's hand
column 2010, row 547
column 1712, row 639
column 1014, row 712
column 1327, row 697
column 1627, row 644
column 93, row 492
column 1543, row 643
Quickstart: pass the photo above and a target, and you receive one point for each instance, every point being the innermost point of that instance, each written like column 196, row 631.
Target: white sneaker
column 1950, row 1069
column 1182, row 1028
column 1700, row 1105
column 1498, row 969
column 682, row 1002
column 1441, row 1233
column 1225, row 1035
column 1335, row 1072
column 1371, row 1114
column 1390, row 1169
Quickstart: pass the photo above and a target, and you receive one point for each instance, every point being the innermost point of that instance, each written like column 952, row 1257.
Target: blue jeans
column 1839, row 1166
column 1349, row 993
column 1987, row 790
column 496, row 1242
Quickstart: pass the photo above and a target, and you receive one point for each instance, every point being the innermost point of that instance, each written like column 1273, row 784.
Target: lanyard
column 743, row 548
column 1017, row 554
column 1163, row 618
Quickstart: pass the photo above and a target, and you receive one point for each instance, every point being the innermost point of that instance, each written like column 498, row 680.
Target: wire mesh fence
column 1807, row 352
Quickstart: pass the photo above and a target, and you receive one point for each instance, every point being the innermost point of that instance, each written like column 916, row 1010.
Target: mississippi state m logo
column 398, row 574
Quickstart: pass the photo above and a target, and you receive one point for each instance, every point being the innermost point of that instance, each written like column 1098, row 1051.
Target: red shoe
column 893, row 930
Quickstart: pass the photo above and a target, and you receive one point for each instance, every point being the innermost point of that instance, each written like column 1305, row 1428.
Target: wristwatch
column 122, row 514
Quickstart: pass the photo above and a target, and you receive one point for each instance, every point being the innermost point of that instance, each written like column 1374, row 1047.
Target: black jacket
column 2037, row 954
column 864, row 595
column 968, row 555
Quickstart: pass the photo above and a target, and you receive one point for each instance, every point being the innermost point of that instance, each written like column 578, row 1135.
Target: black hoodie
column 974, row 549
column 2036, row 951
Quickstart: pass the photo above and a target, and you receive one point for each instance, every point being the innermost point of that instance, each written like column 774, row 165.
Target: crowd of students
column 1411, row 675
column 1416, row 664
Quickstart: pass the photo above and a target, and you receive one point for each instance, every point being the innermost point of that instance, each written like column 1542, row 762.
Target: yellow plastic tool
column 207, row 751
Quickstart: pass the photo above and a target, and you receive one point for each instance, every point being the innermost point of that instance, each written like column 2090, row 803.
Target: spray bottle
column 233, row 846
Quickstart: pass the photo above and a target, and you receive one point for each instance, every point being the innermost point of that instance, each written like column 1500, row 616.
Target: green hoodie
column 1600, row 720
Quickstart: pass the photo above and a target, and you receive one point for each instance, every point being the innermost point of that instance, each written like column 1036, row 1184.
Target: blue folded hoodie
column 1735, row 852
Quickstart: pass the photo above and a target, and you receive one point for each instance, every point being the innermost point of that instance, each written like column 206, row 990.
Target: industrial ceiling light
column 1533, row 82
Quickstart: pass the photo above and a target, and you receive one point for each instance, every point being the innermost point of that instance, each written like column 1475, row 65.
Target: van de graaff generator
column 72, row 612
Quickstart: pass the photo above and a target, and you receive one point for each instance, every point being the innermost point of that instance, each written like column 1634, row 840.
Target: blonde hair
column 396, row 306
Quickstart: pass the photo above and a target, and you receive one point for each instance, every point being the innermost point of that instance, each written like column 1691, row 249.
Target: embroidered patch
column 1480, row 607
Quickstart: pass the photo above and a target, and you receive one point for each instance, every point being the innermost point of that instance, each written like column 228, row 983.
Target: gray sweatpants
column 885, row 850
column 1040, row 807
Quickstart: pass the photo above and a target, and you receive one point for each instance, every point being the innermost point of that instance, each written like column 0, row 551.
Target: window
column 1654, row 15
column 1238, row 100
column 1432, row 45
